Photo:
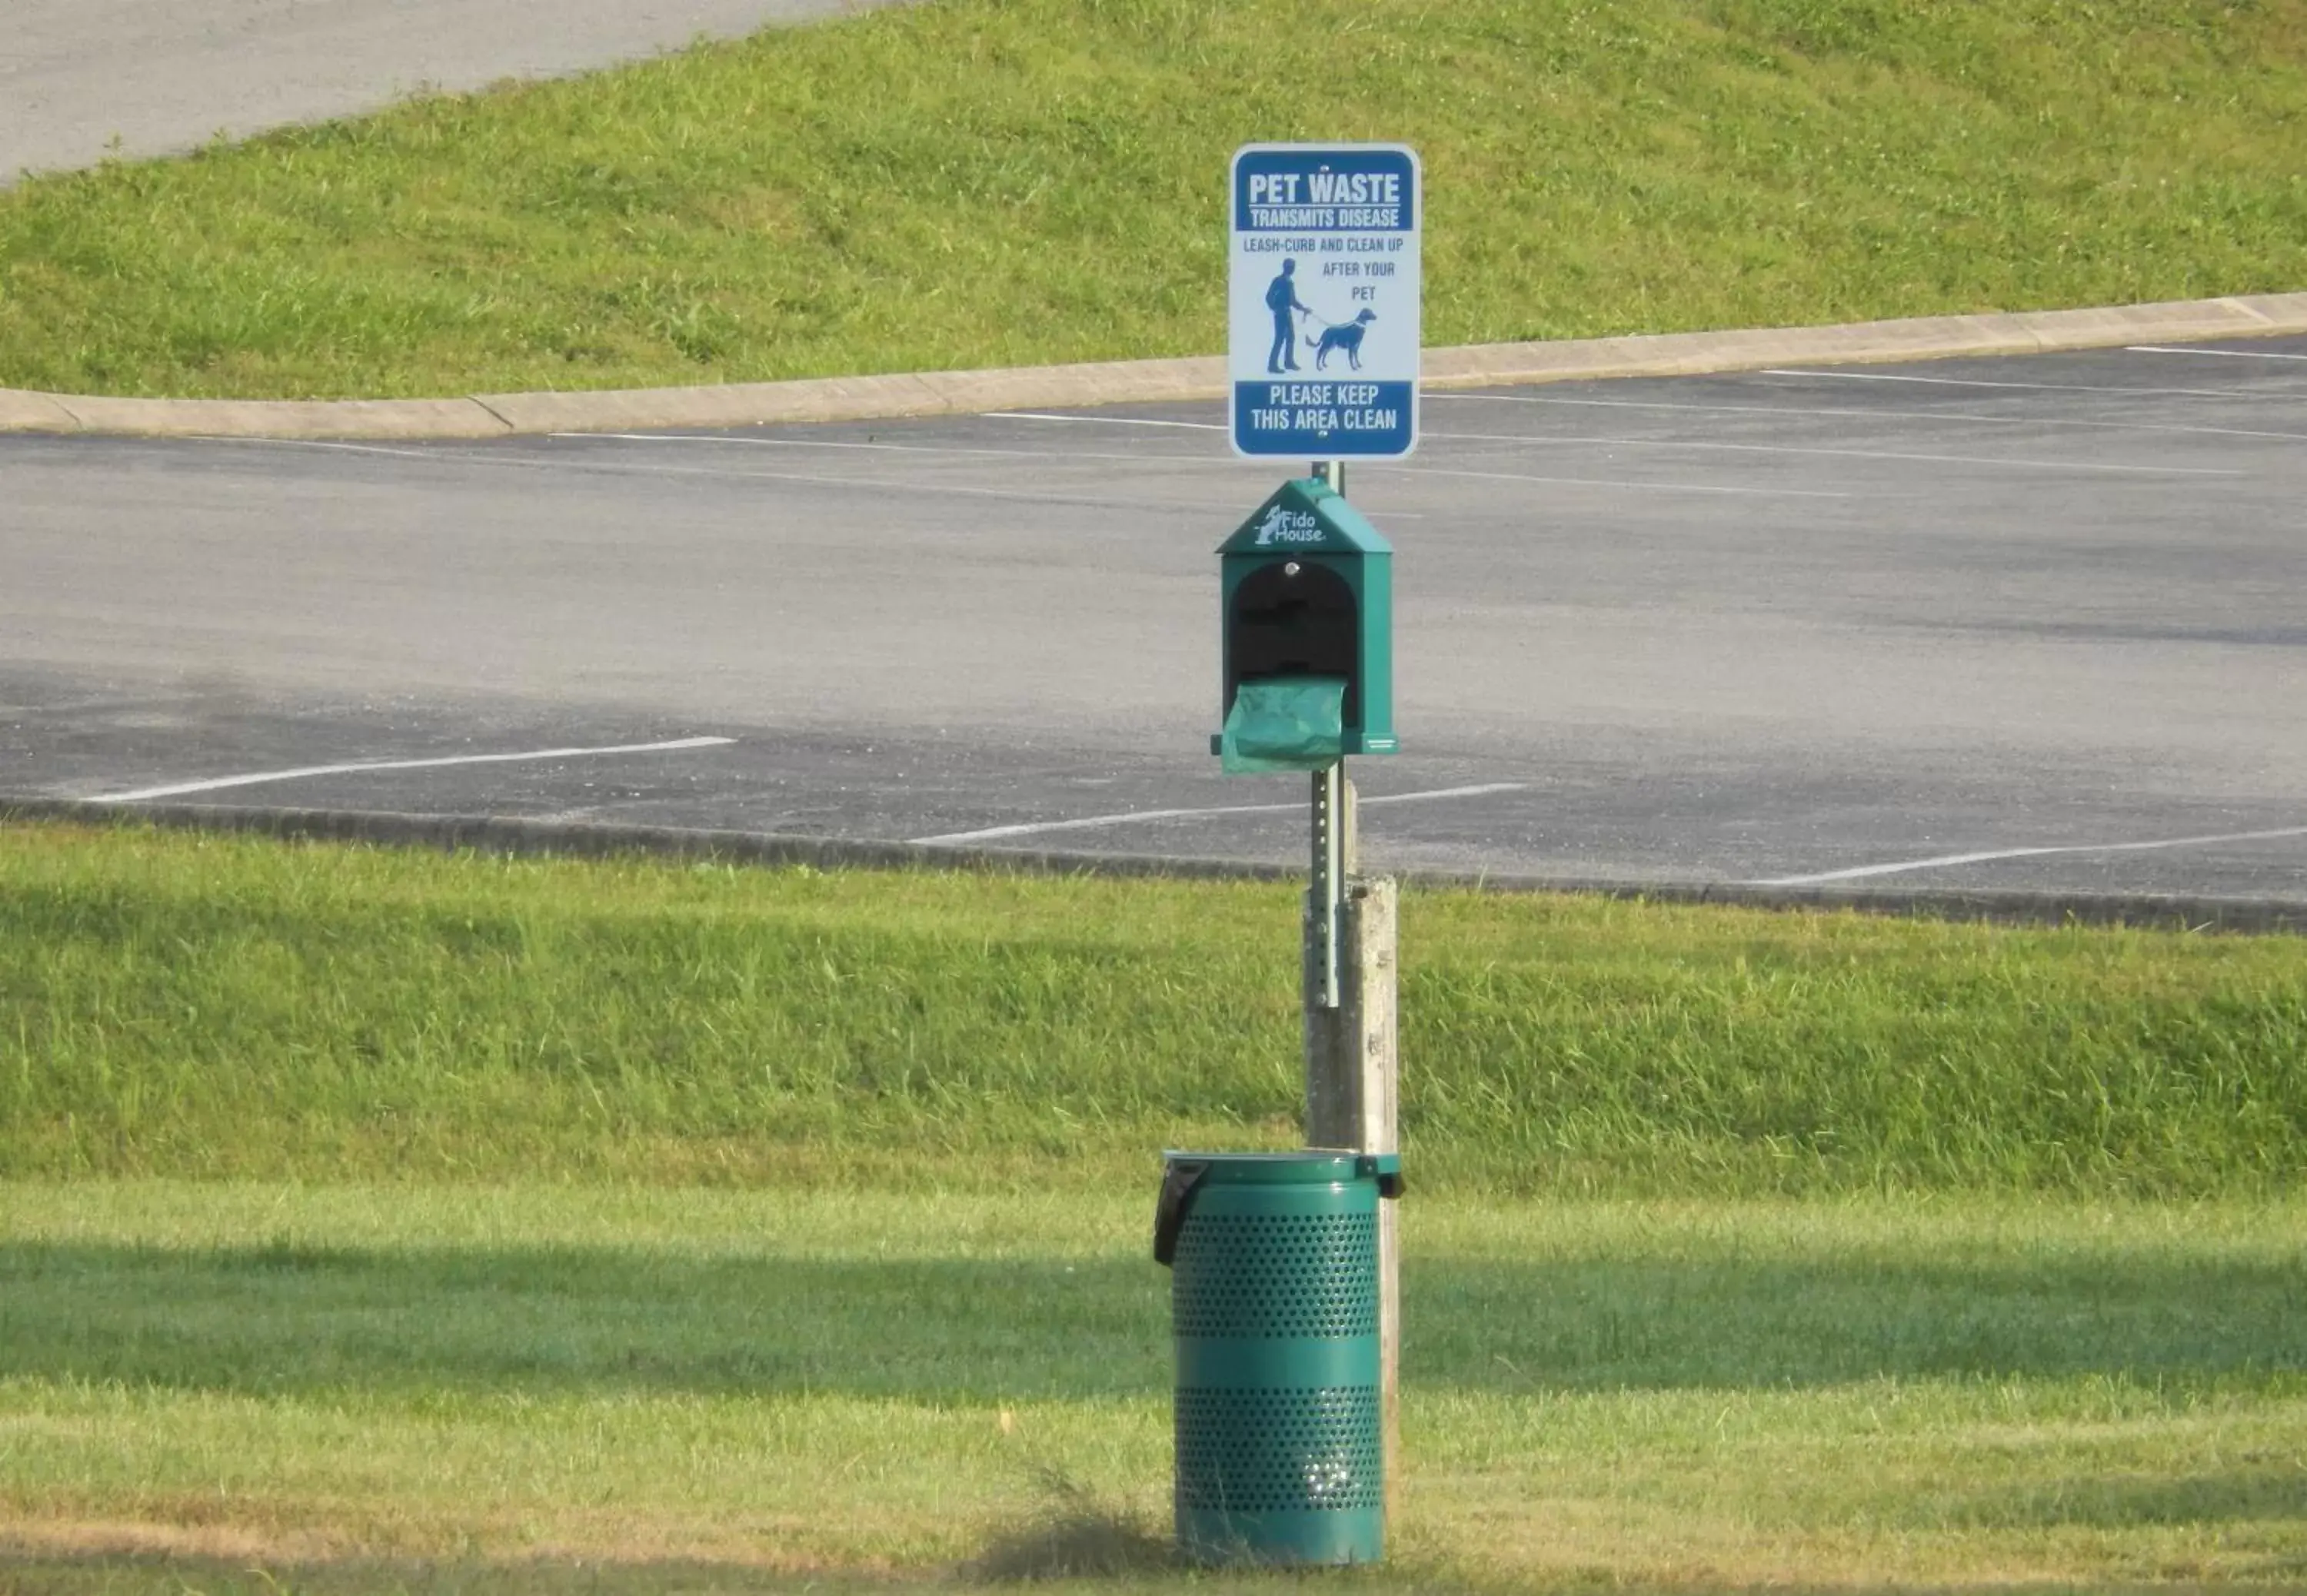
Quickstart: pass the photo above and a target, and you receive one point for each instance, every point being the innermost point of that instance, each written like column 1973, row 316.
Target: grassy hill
column 981, row 181
column 225, row 1009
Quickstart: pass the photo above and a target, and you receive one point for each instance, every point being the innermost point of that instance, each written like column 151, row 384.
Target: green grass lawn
column 222, row 1007
column 532, row 1388
column 379, row 1221
column 982, row 181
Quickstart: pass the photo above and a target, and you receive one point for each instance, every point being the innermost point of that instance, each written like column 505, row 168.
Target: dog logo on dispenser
column 1285, row 525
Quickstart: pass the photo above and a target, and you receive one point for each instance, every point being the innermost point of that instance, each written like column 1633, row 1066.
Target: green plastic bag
column 1287, row 723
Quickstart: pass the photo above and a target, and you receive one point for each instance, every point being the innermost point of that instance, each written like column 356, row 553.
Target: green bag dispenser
column 1306, row 594
column 1274, row 1307
column 1285, row 723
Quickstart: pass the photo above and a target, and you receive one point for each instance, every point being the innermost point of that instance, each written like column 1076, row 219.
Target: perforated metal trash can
column 1274, row 1305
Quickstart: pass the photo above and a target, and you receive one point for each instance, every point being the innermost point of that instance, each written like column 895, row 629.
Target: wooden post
column 1352, row 1074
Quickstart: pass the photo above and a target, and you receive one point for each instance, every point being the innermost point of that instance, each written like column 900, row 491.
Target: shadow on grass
column 2272, row 1492
column 144, row 1575
column 283, row 1319
column 123, row 1575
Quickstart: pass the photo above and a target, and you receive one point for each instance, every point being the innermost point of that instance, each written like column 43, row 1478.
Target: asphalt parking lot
column 81, row 80
column 2011, row 623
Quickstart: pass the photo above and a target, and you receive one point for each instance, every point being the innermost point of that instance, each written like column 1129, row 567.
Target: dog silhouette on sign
column 1348, row 338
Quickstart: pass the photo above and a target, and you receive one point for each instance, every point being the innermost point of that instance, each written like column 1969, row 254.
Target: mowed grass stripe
column 233, row 1007
column 526, row 1389
column 972, row 183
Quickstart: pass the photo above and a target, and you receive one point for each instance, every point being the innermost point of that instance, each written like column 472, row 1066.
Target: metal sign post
column 1332, row 840
column 1325, row 896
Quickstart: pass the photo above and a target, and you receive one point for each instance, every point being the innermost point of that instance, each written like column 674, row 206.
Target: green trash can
column 1274, row 1299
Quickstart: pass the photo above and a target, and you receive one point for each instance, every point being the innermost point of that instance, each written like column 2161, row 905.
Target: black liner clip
column 1183, row 1178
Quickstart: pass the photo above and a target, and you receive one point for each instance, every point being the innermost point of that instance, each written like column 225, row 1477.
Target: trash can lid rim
column 1310, row 1166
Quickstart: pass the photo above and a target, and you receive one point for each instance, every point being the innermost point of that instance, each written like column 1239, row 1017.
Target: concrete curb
column 495, row 834
column 1141, row 381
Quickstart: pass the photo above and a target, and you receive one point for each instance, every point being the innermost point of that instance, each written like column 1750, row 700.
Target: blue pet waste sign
column 1322, row 301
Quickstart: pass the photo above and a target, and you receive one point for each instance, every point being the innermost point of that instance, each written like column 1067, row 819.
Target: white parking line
column 532, row 462
column 1946, row 860
column 1844, row 454
column 1599, row 481
column 1102, row 421
column 1197, row 461
column 179, row 788
column 2051, row 387
column 1843, row 412
column 890, row 484
column 344, row 449
column 1663, row 443
column 1488, row 476
column 992, row 833
column 2229, row 354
